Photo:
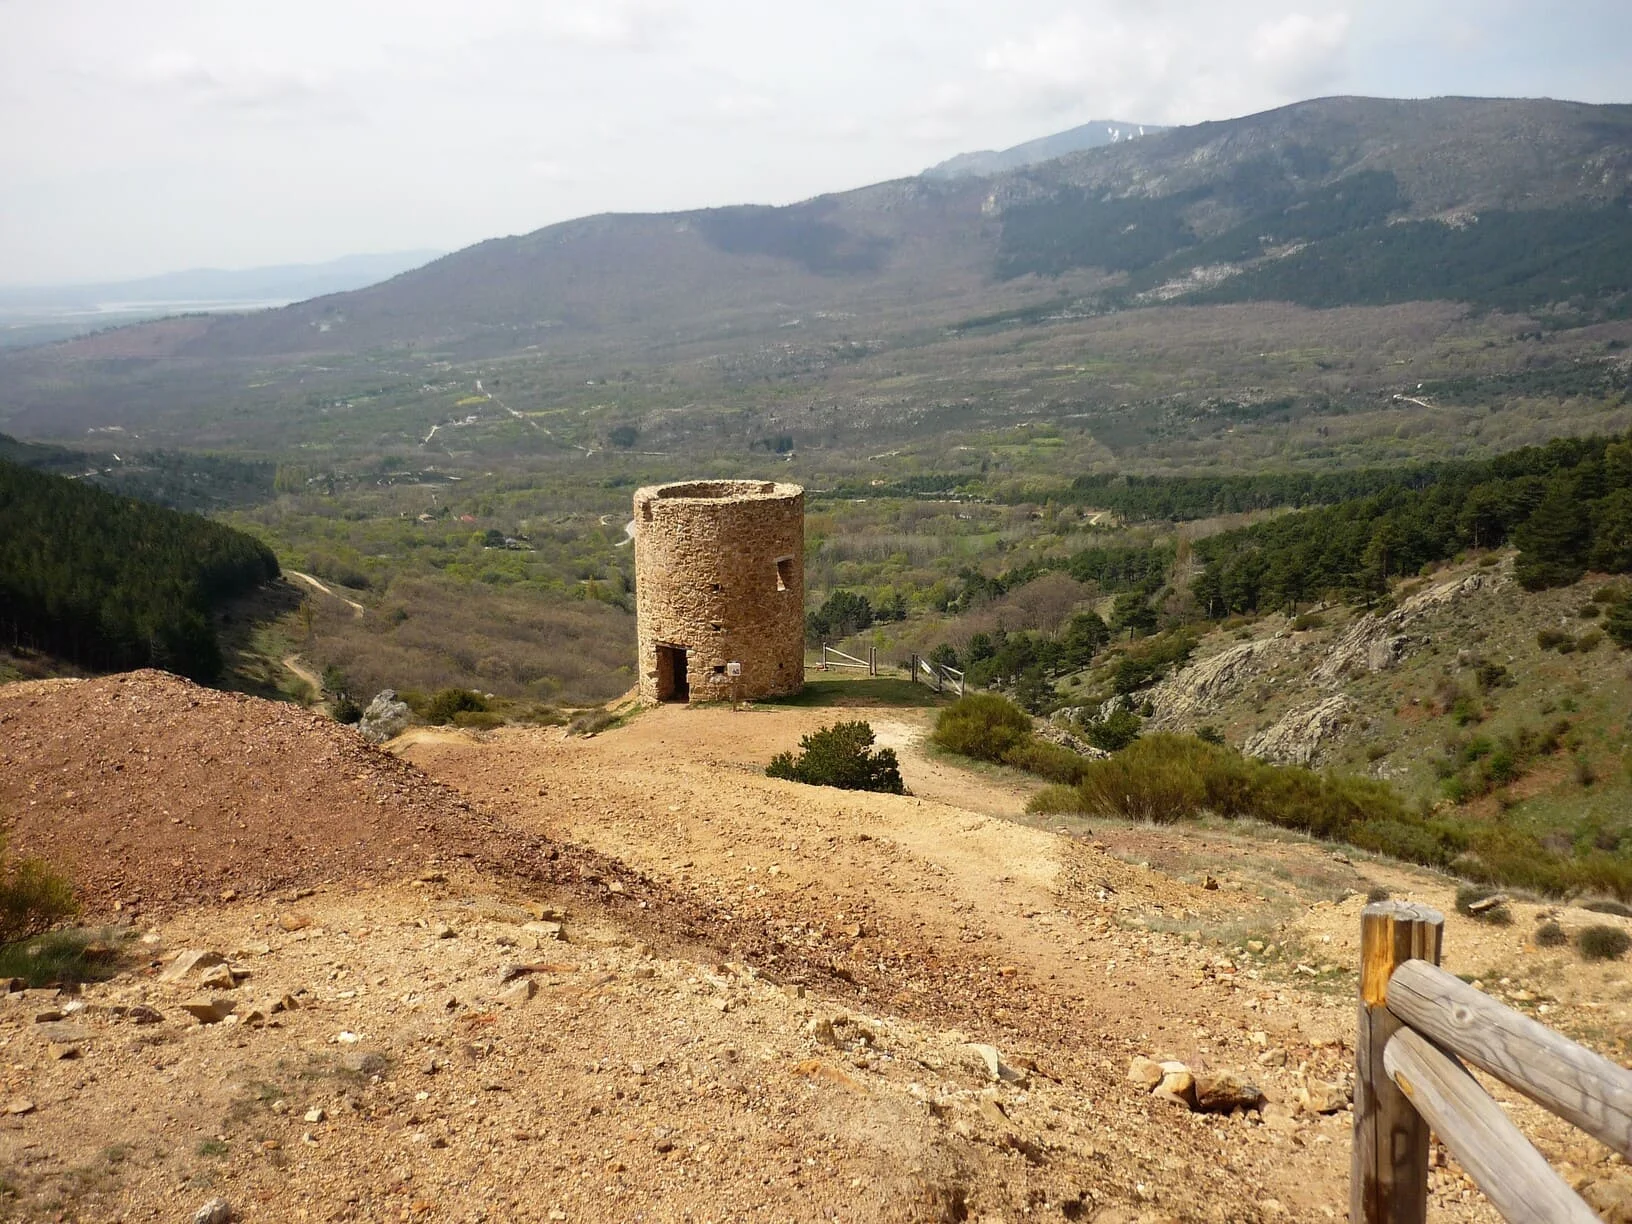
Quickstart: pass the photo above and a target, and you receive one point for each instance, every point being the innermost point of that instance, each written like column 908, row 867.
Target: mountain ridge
column 1523, row 206
column 1091, row 135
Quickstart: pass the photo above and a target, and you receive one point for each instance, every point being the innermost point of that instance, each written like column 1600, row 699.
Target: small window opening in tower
column 784, row 573
column 646, row 511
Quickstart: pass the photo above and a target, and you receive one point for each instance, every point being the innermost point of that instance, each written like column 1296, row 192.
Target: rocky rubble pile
column 150, row 792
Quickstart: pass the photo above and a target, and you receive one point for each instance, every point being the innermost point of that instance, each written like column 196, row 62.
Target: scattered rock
column 364, row 1062
column 519, row 993
column 1318, row 1096
column 142, row 1014
column 385, row 718
column 217, row 977
column 291, row 921
column 61, row 1049
column 1146, row 1072
column 821, row 1028
column 315, row 1114
column 1177, row 1081
column 18, row 1106
column 189, row 960
column 1611, row 1199
column 994, row 1064
column 63, row 1033
column 542, row 932
column 1224, row 1092
column 209, row 1011
column 216, row 1211
column 1489, row 903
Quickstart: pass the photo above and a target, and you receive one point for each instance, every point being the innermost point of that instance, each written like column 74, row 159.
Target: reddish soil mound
column 152, row 793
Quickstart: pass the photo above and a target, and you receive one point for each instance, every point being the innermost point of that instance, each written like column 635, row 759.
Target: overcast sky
column 140, row 136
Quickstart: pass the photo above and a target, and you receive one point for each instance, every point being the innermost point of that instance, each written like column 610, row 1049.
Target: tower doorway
column 672, row 682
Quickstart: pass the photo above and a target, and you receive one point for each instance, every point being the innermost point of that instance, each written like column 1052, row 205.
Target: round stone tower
column 720, row 589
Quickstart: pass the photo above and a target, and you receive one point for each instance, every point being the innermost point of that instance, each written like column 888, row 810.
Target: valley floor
column 765, row 1003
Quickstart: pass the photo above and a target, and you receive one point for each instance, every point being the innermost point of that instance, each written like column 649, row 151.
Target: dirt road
column 317, row 584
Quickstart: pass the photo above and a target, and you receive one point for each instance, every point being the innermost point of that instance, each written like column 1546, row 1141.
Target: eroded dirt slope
column 765, row 1000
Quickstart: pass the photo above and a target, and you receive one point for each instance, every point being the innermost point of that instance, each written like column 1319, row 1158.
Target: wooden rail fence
column 837, row 658
column 1417, row 1025
column 936, row 675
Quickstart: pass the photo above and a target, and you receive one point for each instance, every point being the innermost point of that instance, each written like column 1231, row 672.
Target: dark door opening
column 672, row 682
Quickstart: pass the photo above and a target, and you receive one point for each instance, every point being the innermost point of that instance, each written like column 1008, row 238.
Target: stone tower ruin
column 720, row 589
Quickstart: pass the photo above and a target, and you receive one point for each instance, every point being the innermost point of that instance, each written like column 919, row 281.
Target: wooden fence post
column 1388, row 1182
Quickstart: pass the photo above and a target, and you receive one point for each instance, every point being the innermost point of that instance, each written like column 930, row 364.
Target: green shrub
column 1210, row 735
column 1553, row 639
column 1114, row 732
column 982, row 725
column 441, row 709
column 346, row 710
column 1309, row 620
column 33, row 898
column 1052, row 761
column 1377, row 893
column 479, row 719
column 1602, row 942
column 841, row 755
column 1550, row 935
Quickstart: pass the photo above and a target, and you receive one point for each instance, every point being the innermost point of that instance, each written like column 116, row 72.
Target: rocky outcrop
column 1196, row 691
column 1058, row 730
column 386, row 718
column 1375, row 643
column 1299, row 735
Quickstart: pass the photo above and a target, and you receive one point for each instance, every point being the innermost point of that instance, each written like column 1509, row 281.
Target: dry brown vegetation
column 427, row 635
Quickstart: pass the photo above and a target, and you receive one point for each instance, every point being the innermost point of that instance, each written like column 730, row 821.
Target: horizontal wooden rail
column 1514, row 1176
column 1576, row 1084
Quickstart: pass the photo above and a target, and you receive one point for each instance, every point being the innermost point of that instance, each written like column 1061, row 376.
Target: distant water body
column 153, row 308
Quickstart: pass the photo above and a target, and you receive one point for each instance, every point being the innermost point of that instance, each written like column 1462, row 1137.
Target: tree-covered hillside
column 109, row 583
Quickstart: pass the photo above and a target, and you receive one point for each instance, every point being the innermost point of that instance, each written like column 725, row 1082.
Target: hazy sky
column 140, row 136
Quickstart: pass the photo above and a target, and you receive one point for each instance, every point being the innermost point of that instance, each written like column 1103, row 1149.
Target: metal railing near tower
column 1417, row 1026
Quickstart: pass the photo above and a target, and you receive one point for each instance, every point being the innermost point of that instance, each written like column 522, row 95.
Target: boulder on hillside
column 386, row 718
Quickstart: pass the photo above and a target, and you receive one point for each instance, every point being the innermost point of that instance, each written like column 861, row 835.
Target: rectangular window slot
column 716, row 626
column 784, row 573
column 719, row 669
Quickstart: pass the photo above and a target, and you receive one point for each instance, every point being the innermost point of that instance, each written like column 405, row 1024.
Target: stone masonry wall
column 720, row 571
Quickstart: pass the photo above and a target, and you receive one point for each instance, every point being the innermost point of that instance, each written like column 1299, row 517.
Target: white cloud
column 1298, row 52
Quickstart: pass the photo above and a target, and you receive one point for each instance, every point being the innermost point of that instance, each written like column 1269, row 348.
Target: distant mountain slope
column 282, row 282
column 1091, row 135
column 1514, row 204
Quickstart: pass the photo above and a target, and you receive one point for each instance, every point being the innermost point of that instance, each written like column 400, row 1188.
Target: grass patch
column 593, row 722
column 64, row 957
column 826, row 689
